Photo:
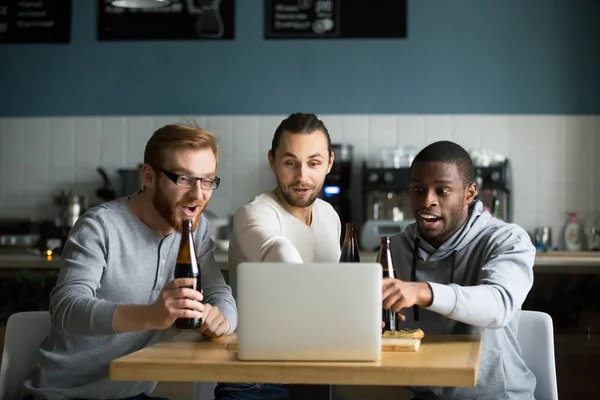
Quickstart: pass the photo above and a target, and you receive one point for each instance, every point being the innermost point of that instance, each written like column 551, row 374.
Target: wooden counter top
column 568, row 262
column 14, row 261
column 445, row 360
column 585, row 262
column 559, row 262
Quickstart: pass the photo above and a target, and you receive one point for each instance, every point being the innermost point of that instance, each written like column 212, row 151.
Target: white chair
column 204, row 390
column 536, row 338
column 25, row 331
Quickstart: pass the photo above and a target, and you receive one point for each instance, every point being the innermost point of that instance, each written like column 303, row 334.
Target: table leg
column 312, row 392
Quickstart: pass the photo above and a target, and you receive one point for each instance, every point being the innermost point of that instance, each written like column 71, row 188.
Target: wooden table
column 447, row 360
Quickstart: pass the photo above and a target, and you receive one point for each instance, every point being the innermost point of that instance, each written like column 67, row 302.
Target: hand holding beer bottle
column 175, row 301
column 180, row 301
column 187, row 267
column 209, row 322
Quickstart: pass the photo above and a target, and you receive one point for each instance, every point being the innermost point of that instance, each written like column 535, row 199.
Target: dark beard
column 171, row 213
column 458, row 220
column 288, row 198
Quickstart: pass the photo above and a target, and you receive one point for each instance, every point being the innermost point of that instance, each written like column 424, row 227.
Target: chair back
column 536, row 339
column 204, row 390
column 25, row 331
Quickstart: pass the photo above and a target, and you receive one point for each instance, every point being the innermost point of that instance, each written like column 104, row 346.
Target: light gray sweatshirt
column 480, row 278
column 112, row 258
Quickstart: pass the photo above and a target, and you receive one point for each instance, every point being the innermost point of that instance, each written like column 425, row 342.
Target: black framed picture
column 39, row 21
column 335, row 19
column 180, row 19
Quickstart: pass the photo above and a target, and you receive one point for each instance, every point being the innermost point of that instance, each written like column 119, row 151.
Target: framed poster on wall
column 181, row 19
column 335, row 19
column 39, row 21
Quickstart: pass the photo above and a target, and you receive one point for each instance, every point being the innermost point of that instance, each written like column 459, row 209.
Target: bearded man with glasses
column 115, row 293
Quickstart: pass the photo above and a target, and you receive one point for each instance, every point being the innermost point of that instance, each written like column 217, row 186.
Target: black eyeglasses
column 188, row 181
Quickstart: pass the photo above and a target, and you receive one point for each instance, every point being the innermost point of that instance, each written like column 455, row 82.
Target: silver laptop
column 309, row 312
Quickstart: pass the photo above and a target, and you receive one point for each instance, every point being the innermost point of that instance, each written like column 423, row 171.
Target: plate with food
column 402, row 340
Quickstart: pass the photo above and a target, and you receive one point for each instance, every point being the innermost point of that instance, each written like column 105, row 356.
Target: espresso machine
column 386, row 204
column 494, row 184
column 336, row 188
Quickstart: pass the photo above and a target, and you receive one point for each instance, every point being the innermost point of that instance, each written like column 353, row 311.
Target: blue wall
column 461, row 56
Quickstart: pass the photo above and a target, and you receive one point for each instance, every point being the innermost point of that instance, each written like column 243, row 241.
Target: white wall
column 555, row 159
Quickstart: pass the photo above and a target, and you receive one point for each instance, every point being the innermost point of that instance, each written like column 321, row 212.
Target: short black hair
column 300, row 123
column 448, row 152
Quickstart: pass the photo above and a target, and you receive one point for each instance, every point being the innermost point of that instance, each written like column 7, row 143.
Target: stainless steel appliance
column 494, row 185
column 336, row 188
column 386, row 203
column 19, row 236
column 31, row 237
column 71, row 206
column 372, row 231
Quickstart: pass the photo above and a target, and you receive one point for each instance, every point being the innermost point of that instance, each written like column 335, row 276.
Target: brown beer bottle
column 187, row 267
column 384, row 257
column 350, row 245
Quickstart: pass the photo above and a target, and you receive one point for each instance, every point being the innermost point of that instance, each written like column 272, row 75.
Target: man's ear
column 470, row 193
column 271, row 158
column 330, row 164
column 148, row 176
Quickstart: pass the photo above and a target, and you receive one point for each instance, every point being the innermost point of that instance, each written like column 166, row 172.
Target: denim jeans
column 145, row 397
column 251, row 391
column 138, row 397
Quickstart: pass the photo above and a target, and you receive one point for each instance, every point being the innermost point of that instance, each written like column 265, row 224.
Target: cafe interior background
column 515, row 83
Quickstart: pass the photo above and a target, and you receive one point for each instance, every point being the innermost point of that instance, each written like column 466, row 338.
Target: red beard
column 173, row 214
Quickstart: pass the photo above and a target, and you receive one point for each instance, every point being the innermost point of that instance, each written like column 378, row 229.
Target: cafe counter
column 557, row 262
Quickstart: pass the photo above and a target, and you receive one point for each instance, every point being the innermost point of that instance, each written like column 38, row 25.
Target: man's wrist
column 425, row 294
column 147, row 318
column 134, row 318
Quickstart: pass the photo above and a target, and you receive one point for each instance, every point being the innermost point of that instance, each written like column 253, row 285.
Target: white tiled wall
column 555, row 159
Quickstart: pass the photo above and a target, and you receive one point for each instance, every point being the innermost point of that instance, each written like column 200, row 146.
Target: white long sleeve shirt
column 264, row 231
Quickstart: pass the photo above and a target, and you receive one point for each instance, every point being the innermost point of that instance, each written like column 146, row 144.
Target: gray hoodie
column 479, row 277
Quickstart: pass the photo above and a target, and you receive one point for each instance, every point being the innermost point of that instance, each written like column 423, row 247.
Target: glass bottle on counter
column 350, row 245
column 384, row 257
column 187, row 267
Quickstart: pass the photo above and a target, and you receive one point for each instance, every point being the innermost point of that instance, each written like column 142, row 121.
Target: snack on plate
column 405, row 334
